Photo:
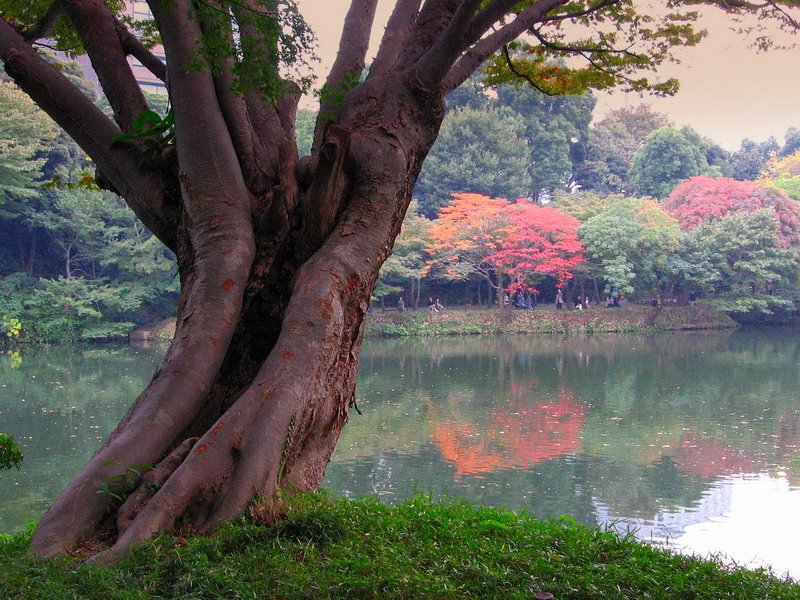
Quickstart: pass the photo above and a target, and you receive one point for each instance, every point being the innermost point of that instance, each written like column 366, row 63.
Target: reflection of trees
column 663, row 415
column 705, row 457
column 640, row 423
column 59, row 405
column 517, row 436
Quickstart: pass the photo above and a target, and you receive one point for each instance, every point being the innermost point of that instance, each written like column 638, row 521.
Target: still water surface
column 690, row 439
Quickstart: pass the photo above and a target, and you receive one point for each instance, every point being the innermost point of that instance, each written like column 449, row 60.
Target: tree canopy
column 612, row 144
column 703, row 199
column 668, row 156
column 632, row 241
column 481, row 151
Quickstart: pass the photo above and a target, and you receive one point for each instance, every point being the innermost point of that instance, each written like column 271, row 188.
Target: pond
column 685, row 439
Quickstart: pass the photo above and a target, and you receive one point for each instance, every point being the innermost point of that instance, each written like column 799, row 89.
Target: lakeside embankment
column 476, row 321
column 326, row 548
column 482, row 321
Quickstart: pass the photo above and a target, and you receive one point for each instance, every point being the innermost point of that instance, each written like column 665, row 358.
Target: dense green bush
column 10, row 453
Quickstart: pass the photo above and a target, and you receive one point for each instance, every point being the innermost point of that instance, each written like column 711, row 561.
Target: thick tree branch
column 430, row 24
column 257, row 161
column 123, row 167
column 486, row 18
column 132, row 46
column 435, row 63
column 261, row 111
column 487, row 46
column 350, row 60
column 45, row 25
column 97, row 27
column 215, row 261
column 397, row 31
column 206, row 153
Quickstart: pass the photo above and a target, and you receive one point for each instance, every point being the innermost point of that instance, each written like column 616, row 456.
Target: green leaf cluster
column 408, row 262
column 478, row 150
column 10, row 453
column 630, row 243
column 24, row 134
column 152, row 130
column 738, row 259
column 668, row 156
column 623, row 49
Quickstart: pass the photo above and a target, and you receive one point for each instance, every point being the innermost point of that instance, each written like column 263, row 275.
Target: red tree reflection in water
column 517, row 436
column 706, row 457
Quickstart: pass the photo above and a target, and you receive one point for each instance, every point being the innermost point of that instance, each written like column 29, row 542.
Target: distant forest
column 522, row 195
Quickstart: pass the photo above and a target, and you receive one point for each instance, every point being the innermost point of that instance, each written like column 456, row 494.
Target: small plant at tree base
column 119, row 486
column 10, row 453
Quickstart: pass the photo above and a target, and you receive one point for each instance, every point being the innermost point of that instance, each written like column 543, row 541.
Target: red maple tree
column 701, row 199
column 498, row 240
column 539, row 240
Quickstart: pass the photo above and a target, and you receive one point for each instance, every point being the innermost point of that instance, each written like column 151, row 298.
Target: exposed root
column 151, row 482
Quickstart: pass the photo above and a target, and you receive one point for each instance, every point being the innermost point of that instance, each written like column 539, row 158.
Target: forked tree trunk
column 252, row 394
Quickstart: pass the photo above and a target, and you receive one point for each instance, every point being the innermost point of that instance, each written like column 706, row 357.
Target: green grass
column 420, row 549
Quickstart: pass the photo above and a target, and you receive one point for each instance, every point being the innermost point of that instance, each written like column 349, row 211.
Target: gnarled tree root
column 150, row 483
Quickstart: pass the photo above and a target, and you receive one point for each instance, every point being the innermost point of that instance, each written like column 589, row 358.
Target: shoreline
column 545, row 320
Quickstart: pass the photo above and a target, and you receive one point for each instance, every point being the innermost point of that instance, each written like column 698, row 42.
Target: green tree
column 28, row 140
column 408, row 262
column 24, row 133
column 740, row 262
column 304, row 129
column 667, row 157
column 630, row 244
column 112, row 272
column 612, row 144
column 748, row 162
column 556, row 130
column 784, row 174
column 791, row 142
column 478, row 150
column 10, row 453
column 583, row 205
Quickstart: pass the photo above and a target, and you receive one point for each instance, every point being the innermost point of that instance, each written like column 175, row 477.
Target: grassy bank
column 419, row 549
column 546, row 319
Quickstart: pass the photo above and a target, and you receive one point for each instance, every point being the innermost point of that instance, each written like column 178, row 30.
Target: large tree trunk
column 257, row 383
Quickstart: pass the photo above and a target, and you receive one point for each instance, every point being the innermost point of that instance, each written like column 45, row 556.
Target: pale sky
column 728, row 90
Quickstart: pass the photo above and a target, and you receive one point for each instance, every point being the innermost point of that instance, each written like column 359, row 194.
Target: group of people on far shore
column 526, row 301
column 613, row 301
column 434, row 305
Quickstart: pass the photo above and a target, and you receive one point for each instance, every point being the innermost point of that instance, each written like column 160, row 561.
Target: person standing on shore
column 559, row 300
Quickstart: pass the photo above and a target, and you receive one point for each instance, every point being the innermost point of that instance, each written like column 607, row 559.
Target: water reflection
column 641, row 432
column 59, row 404
column 688, row 438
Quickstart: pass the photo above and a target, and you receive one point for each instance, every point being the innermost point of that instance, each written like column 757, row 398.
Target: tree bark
column 263, row 365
